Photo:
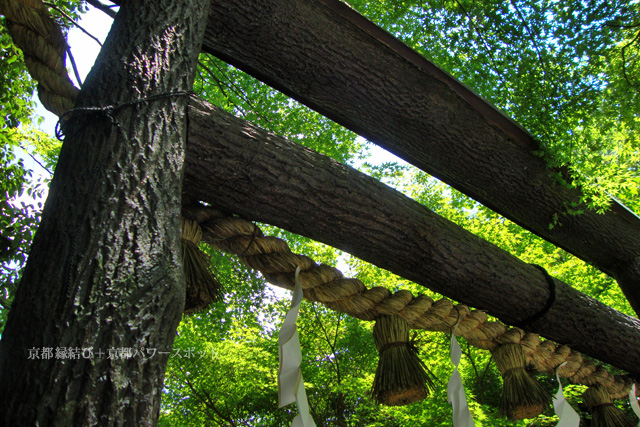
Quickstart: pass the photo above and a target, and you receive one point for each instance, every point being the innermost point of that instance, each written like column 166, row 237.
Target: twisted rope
column 44, row 48
column 327, row 285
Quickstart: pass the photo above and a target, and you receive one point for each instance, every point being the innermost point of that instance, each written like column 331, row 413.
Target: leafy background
column 565, row 70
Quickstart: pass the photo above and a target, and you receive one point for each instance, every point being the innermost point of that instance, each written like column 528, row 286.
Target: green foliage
column 567, row 71
column 16, row 219
column 16, row 105
column 20, row 191
column 241, row 94
column 224, row 363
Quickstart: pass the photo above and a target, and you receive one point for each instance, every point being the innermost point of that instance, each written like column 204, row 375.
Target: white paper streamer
column 634, row 401
column 567, row 415
column 455, row 390
column 290, row 383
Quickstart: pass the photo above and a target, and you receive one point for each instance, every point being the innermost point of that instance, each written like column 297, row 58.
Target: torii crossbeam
column 337, row 62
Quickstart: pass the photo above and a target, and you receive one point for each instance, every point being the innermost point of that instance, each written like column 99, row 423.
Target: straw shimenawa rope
column 401, row 377
column 603, row 412
column 44, row 47
column 322, row 283
column 522, row 396
column 202, row 286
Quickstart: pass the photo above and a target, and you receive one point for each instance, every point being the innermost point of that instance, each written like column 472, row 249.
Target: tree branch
column 72, row 21
column 35, row 159
column 624, row 61
column 206, row 400
column 103, row 7
column 332, row 345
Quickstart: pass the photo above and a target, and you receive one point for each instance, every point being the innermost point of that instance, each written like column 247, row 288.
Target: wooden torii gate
column 357, row 74
column 455, row 262
column 348, row 69
column 268, row 179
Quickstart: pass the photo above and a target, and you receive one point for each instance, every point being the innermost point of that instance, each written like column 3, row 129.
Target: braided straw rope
column 321, row 283
column 44, row 48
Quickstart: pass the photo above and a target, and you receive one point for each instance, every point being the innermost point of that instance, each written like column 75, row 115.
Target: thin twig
column 214, row 77
column 75, row 67
column 70, row 19
column 609, row 24
column 36, row 160
column 206, row 399
column 220, row 86
column 535, row 44
column 484, row 374
column 234, row 87
column 482, row 39
column 103, row 8
column 328, row 340
column 624, row 60
column 473, row 362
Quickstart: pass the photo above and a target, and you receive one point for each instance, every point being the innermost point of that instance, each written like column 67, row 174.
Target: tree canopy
column 566, row 71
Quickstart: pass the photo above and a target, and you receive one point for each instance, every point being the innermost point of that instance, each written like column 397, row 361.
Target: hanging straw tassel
column 202, row 287
column 603, row 412
column 401, row 377
column 522, row 396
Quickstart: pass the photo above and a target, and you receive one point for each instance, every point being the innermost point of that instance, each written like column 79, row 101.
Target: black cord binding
column 522, row 324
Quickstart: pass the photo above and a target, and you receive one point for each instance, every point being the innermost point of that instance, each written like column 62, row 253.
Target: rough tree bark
column 265, row 178
column 104, row 275
column 332, row 59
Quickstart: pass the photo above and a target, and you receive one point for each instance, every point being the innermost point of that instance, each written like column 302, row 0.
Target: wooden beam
column 238, row 167
column 332, row 59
